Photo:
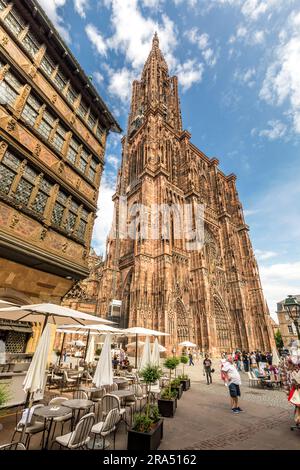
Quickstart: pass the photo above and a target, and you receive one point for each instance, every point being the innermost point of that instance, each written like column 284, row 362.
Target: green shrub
column 171, row 362
column 143, row 422
column 4, row 395
column 183, row 377
column 150, row 375
column 175, row 382
column 168, row 394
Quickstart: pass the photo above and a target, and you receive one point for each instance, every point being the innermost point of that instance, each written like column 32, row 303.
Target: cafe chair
column 59, row 401
column 80, row 437
column 33, row 425
column 13, row 446
column 106, row 427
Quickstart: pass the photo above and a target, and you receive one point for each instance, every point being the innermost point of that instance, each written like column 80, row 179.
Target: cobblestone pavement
column 204, row 419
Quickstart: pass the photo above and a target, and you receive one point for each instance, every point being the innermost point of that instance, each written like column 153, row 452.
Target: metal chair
column 13, row 446
column 33, row 425
column 78, row 438
column 96, row 397
column 105, row 428
column 67, row 381
column 111, row 401
column 59, row 401
column 80, row 395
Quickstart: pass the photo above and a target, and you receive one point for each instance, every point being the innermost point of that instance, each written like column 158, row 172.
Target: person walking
column 191, row 359
column 207, row 369
column 233, row 381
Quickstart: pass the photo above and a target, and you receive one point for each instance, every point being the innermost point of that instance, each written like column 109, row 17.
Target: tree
column 278, row 339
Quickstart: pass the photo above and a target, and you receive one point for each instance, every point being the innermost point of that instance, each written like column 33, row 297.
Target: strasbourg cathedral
column 212, row 296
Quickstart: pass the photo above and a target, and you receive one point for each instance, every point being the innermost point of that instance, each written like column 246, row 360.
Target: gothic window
column 92, row 170
column 42, row 196
column 25, row 186
column 72, row 150
column 72, row 216
column 222, row 326
column 71, row 95
column 31, row 44
column 15, row 23
column 8, row 170
column 182, row 323
column 31, row 110
column 47, row 65
column 59, row 138
column 59, row 207
column 46, row 125
column 91, row 122
column 10, row 88
column 83, row 161
column 82, row 110
column 82, row 224
column 60, row 80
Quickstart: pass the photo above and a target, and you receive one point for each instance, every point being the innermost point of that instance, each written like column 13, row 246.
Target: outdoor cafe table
column 122, row 382
column 49, row 413
column 90, row 390
column 77, row 405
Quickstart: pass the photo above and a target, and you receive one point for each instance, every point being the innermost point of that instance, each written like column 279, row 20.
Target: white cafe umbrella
column 35, row 377
column 78, row 343
column 275, row 357
column 146, row 356
column 188, row 344
column 104, row 371
column 155, row 357
column 138, row 330
column 90, row 355
column 52, row 313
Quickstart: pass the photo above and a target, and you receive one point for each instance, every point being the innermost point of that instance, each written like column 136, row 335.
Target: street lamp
column 292, row 307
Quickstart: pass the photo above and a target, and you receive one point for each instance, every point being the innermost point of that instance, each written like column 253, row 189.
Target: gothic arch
column 126, row 300
column 182, row 322
column 223, row 327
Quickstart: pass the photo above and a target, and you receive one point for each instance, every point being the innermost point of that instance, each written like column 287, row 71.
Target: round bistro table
column 77, row 405
column 48, row 413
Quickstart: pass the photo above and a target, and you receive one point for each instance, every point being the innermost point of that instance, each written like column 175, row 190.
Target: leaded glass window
column 11, row 160
column 41, row 198
column 71, row 95
column 83, row 161
column 99, row 132
column 31, row 44
column 6, row 178
column 60, row 80
column 14, row 21
column 59, row 138
column 92, row 170
column 47, row 65
column 82, row 110
column 82, row 223
column 72, row 150
column 59, row 208
column 23, row 191
column 9, row 89
column 46, row 125
column 31, row 110
column 91, row 121
column 72, row 216
column 3, row 4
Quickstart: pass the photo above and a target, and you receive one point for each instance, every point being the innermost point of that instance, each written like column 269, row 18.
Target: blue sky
column 238, row 63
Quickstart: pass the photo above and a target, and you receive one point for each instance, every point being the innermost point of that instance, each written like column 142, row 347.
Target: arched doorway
column 182, row 322
column 222, row 326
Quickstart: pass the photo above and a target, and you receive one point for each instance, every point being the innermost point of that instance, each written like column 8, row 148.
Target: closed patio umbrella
column 104, row 371
column 155, row 357
column 146, row 356
column 90, row 355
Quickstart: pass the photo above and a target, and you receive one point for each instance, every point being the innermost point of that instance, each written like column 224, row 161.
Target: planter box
column 167, row 408
column 186, row 384
column 179, row 390
column 145, row 440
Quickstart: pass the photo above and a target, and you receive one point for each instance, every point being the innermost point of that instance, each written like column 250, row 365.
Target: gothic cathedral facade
column 211, row 296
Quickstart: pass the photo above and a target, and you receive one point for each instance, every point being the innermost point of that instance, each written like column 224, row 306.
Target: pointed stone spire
column 155, row 41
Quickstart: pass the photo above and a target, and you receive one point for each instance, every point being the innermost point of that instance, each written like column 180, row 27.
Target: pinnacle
column 155, row 40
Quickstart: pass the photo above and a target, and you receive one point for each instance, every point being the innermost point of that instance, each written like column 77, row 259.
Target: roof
column 39, row 15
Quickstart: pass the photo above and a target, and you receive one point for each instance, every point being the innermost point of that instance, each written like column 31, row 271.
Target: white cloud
column 105, row 212
column 81, row 6
column 113, row 160
column 281, row 83
column 98, row 77
column 264, row 255
column 277, row 130
column 279, row 280
column 51, row 8
column 96, row 39
column 245, row 77
column 152, row 3
column 120, row 83
column 203, row 42
column 189, row 72
column 258, row 37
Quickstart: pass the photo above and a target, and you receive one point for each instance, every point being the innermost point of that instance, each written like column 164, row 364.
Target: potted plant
column 147, row 430
column 184, row 378
column 167, row 400
column 4, row 397
column 177, row 386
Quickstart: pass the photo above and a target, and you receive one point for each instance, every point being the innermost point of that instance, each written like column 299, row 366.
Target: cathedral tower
column 211, row 295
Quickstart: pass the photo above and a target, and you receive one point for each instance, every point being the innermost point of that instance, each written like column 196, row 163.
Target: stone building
column 211, row 296
column 53, row 130
column 286, row 326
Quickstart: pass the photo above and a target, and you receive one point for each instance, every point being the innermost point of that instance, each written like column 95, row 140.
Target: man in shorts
column 233, row 380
